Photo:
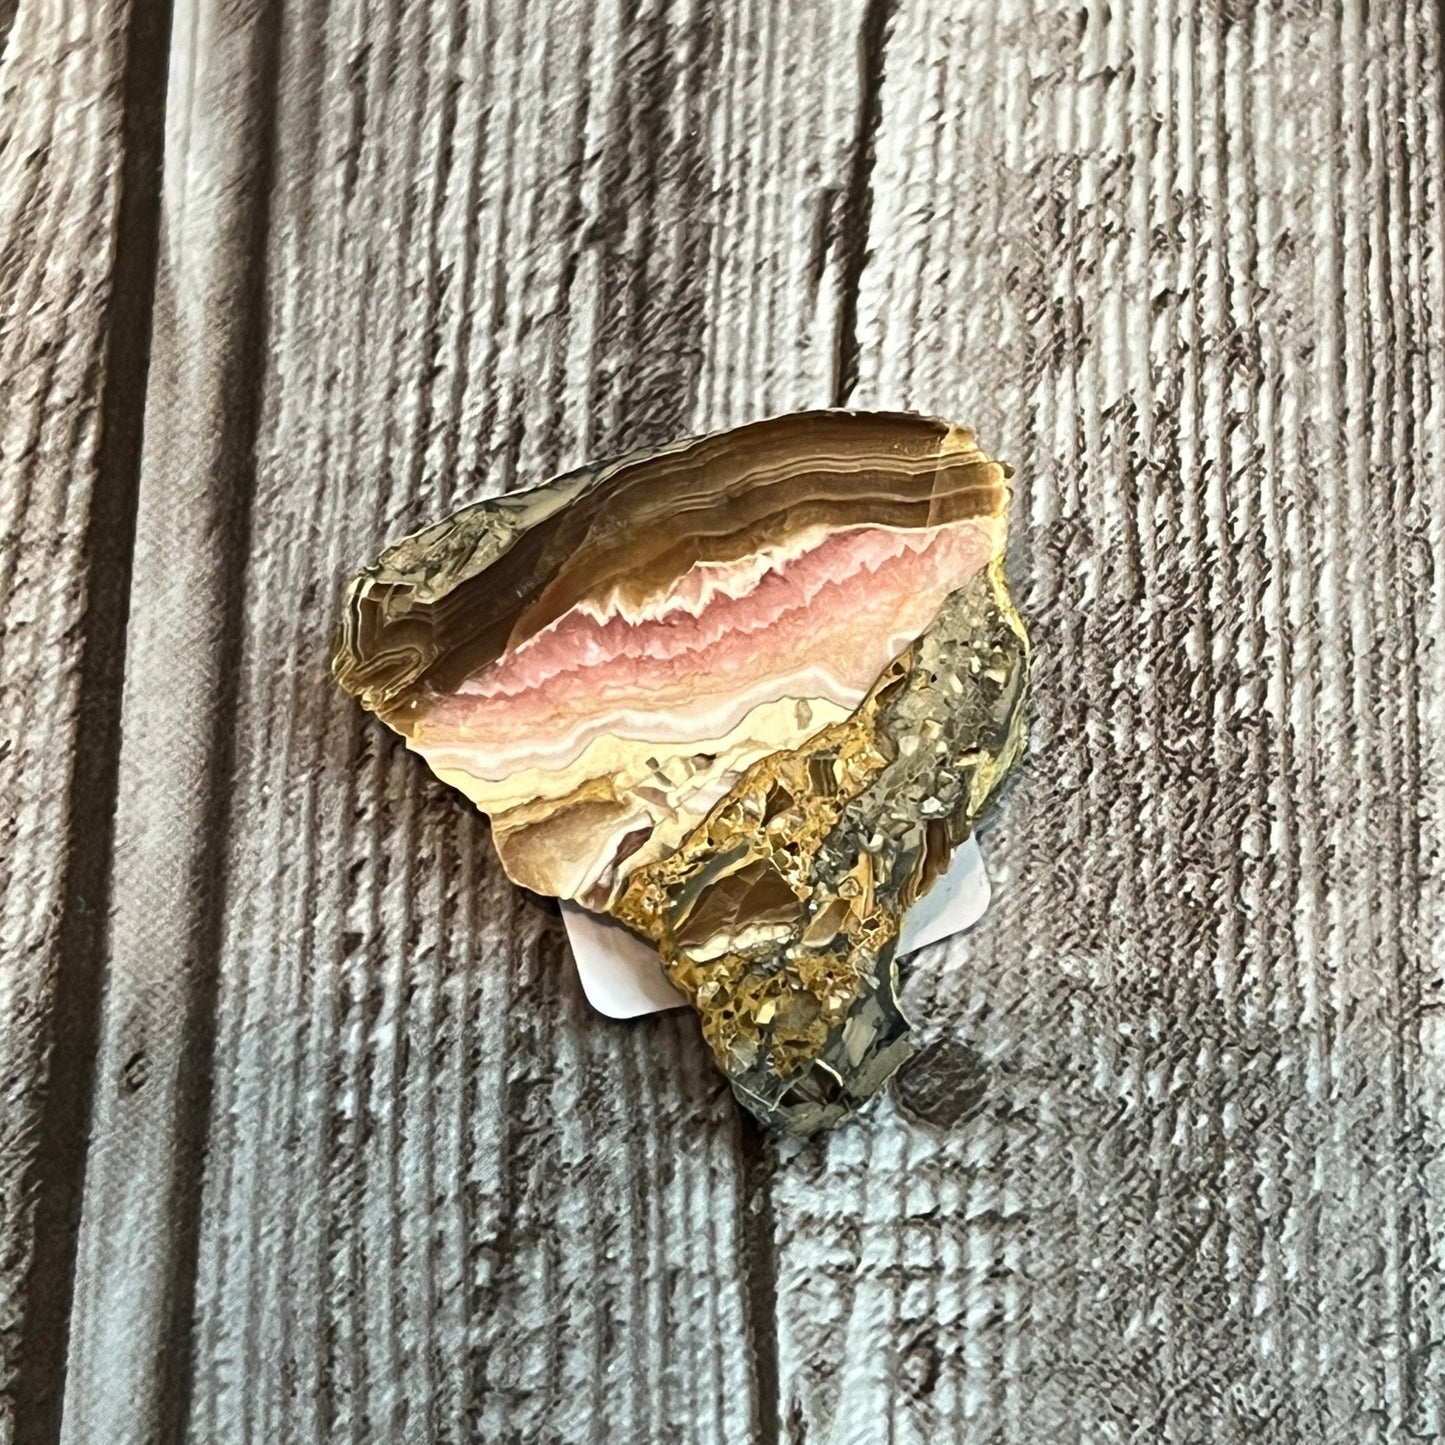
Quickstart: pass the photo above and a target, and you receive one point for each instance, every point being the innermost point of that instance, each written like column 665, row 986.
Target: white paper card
column 622, row 975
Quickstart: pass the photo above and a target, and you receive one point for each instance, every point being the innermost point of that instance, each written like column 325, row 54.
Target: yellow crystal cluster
column 742, row 883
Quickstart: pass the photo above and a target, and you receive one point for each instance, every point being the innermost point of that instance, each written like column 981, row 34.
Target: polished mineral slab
column 745, row 693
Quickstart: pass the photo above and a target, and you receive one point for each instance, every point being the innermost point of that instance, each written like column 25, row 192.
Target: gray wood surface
column 1185, row 269
column 79, row 126
column 403, row 261
column 349, row 1157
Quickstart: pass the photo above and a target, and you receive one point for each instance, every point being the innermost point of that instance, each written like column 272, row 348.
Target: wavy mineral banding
column 669, row 708
column 603, row 661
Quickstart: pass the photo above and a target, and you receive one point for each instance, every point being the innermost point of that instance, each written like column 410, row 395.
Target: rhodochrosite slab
column 606, row 661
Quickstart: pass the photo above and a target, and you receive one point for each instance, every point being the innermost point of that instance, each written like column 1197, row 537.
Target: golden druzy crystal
column 745, row 693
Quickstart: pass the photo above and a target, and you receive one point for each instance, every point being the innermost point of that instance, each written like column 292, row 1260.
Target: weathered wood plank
column 78, row 146
column 440, row 1199
column 1182, row 263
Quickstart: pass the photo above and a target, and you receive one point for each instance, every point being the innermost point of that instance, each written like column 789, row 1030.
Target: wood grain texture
column 410, row 257
column 78, row 144
column 363, row 1166
column 1182, row 263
